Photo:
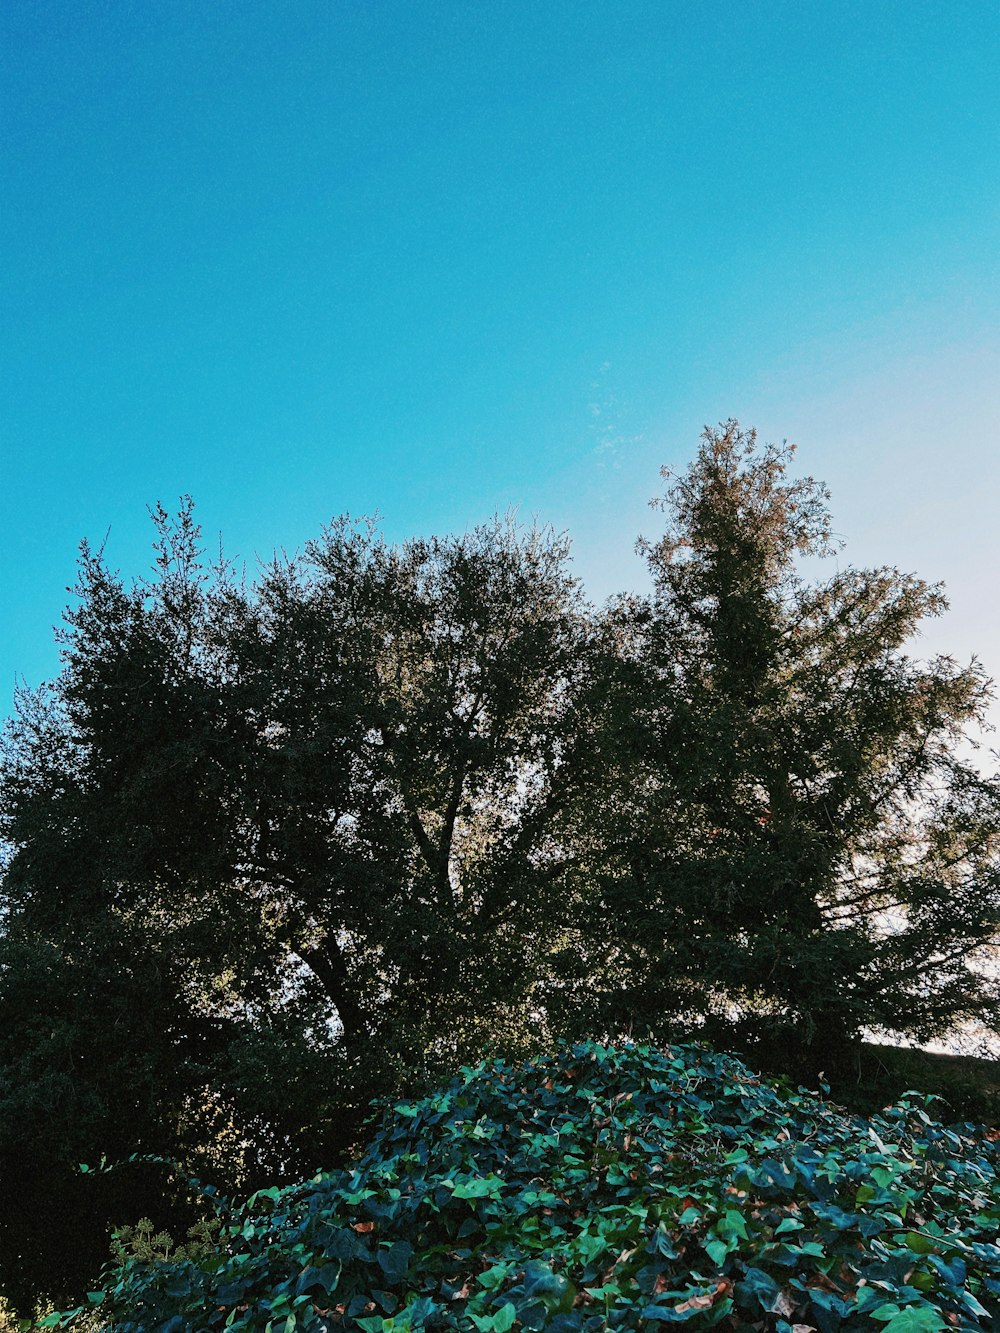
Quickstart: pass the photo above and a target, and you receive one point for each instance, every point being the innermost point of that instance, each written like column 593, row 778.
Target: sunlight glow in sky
column 439, row 260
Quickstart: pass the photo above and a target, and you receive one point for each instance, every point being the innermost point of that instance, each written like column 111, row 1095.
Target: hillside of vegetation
column 275, row 847
column 603, row 1188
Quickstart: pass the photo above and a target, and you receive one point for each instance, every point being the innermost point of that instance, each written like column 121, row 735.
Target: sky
column 439, row 260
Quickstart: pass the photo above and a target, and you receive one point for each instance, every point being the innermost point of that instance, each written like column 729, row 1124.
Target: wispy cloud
column 609, row 421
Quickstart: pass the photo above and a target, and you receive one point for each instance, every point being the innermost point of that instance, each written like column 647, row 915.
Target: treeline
column 276, row 848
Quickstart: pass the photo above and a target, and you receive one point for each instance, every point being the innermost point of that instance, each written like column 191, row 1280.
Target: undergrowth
column 600, row 1188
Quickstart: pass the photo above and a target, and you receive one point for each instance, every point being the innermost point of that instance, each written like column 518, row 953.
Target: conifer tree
column 812, row 853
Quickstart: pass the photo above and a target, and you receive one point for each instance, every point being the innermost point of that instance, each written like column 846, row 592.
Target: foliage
column 11, row 1322
column 143, row 1244
column 90, row 1028
column 811, row 853
column 607, row 1188
column 275, row 847
column 354, row 783
column 965, row 1087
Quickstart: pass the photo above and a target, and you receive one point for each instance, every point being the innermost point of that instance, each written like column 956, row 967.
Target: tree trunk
column 326, row 962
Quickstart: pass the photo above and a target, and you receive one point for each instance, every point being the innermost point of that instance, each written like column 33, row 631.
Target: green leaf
column 914, row 1319
column 504, row 1318
column 478, row 1189
column 920, row 1244
column 493, row 1276
column 394, row 1260
column 883, row 1176
column 812, row 1248
column 732, row 1223
column 865, row 1298
column 717, row 1251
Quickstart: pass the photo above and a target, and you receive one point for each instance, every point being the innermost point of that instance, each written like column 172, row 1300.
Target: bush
column 11, row 1322
column 605, row 1188
column 968, row 1087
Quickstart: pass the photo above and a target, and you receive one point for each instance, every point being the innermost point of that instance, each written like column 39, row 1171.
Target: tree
column 811, row 854
column 337, row 813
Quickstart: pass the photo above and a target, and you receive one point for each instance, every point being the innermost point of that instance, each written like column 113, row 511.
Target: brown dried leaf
column 784, row 1304
column 695, row 1303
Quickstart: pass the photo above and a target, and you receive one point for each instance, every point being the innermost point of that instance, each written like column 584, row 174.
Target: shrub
column 604, row 1188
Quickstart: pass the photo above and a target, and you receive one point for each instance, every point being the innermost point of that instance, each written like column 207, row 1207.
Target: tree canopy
column 277, row 846
column 817, row 855
column 340, row 807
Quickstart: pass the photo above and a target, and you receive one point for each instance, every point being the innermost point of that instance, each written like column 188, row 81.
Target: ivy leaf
column 395, row 1261
column 920, row 1244
column 914, row 1319
column 504, row 1318
column 732, row 1223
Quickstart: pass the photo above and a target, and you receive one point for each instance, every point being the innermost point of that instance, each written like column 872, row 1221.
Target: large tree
column 338, row 815
column 812, row 851
column 361, row 774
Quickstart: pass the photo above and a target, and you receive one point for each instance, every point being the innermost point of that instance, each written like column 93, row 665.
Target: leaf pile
column 607, row 1188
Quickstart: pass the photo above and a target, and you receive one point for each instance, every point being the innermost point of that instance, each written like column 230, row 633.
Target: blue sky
column 441, row 259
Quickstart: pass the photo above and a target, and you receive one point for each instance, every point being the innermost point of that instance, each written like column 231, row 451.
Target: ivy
column 602, row 1188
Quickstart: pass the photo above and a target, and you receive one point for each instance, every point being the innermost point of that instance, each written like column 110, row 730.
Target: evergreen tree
column 811, row 854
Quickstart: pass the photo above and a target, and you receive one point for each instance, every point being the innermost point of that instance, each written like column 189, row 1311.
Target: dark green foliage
column 607, row 1188
column 353, row 789
column 87, row 1036
column 275, row 849
column 967, row 1087
column 811, row 853
column 144, row 1245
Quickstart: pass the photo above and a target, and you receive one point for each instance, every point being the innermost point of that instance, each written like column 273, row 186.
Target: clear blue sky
column 437, row 259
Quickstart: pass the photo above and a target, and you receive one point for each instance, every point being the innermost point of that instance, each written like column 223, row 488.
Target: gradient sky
column 438, row 259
